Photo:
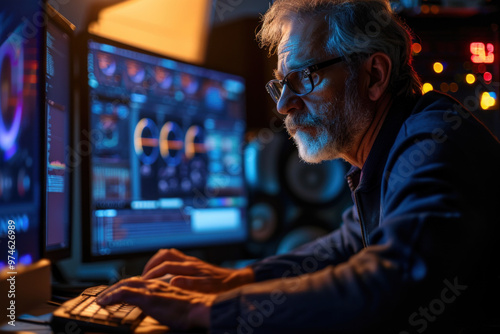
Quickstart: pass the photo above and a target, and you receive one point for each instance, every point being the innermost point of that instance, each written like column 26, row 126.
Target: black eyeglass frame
column 305, row 72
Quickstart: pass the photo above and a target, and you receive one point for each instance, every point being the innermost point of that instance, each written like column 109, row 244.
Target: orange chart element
column 146, row 141
column 194, row 141
column 171, row 143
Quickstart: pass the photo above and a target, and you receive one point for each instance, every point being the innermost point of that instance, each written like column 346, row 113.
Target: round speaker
column 263, row 221
column 262, row 160
column 291, row 202
column 314, row 184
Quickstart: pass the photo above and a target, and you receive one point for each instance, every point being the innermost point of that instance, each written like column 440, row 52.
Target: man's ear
column 378, row 67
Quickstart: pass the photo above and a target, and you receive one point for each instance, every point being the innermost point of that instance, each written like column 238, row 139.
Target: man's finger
column 123, row 294
column 131, row 282
column 172, row 255
column 174, row 268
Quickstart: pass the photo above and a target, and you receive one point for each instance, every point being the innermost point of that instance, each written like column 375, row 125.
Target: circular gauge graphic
column 11, row 96
column 171, row 143
column 135, row 71
column 122, row 111
column 189, row 83
column 108, row 128
column 145, row 141
column 163, row 77
column 106, row 63
column 195, row 141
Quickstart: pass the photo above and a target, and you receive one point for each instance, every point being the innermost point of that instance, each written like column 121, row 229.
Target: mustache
column 301, row 120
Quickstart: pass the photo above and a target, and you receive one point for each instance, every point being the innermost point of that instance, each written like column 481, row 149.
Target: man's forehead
column 295, row 43
column 288, row 49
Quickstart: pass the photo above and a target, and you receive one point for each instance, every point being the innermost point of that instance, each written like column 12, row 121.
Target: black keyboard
column 83, row 314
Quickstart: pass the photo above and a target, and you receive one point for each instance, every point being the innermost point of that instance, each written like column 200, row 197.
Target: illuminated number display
column 482, row 53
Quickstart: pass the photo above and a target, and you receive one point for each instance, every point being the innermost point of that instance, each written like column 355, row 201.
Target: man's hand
column 177, row 308
column 194, row 274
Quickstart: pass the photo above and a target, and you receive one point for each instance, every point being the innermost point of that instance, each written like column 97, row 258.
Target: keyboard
column 83, row 314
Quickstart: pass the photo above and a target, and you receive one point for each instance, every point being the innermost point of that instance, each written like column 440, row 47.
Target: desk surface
column 43, row 314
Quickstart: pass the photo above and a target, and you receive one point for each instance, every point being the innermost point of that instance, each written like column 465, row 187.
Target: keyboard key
column 132, row 316
column 71, row 304
column 79, row 309
column 118, row 315
column 102, row 315
column 86, row 314
column 95, row 290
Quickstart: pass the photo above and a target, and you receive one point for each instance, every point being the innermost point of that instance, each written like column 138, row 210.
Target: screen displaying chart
column 166, row 164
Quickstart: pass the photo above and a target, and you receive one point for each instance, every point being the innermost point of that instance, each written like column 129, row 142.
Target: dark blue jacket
column 416, row 253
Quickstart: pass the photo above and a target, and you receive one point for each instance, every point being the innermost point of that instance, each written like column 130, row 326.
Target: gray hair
column 354, row 29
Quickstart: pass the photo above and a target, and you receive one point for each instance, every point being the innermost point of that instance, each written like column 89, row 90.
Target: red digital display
column 482, row 53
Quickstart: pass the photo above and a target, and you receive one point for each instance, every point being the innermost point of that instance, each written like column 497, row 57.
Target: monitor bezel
column 212, row 252
column 56, row 18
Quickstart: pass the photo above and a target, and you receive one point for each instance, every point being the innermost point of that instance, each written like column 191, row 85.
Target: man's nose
column 289, row 101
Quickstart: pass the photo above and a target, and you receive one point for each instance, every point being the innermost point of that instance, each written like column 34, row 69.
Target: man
column 416, row 251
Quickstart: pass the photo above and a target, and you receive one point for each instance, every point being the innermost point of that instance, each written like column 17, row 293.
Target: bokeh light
column 438, row 67
column 453, row 87
column 487, row 76
column 470, row 78
column 416, row 48
column 488, row 100
column 444, row 87
column 427, row 87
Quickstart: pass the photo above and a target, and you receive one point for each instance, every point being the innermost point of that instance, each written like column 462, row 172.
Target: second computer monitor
column 166, row 165
column 57, row 209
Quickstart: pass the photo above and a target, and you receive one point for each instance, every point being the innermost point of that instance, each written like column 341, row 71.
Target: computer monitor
column 58, row 120
column 166, row 161
column 20, row 119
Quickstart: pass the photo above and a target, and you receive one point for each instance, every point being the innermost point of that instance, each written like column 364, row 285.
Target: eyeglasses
column 299, row 81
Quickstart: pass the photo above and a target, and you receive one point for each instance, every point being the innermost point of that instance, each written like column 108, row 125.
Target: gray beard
column 346, row 120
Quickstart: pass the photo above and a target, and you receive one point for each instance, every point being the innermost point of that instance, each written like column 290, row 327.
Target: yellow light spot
column 470, row 78
column 438, row 67
column 427, row 87
column 416, row 48
column 487, row 101
column 444, row 87
column 425, row 9
column 453, row 87
column 434, row 9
